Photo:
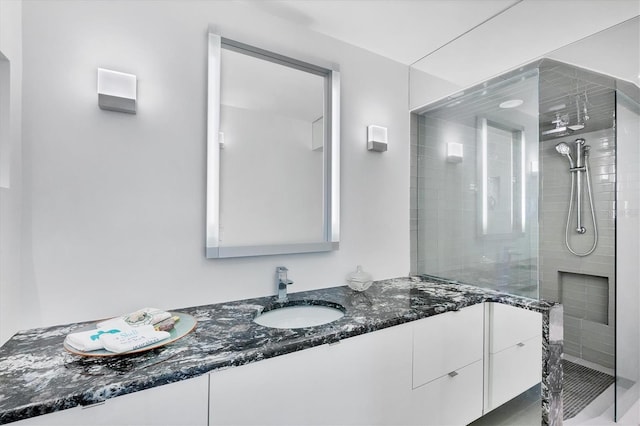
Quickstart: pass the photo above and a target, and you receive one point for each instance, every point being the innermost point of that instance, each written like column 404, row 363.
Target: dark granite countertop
column 38, row 376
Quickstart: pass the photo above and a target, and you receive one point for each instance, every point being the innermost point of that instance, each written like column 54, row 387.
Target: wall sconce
column 376, row 138
column 454, row 152
column 534, row 167
column 117, row 91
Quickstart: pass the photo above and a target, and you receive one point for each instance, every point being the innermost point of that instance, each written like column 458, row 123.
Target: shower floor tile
column 525, row 410
column 581, row 386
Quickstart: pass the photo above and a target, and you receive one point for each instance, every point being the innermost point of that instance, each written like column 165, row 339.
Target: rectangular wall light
column 117, row 91
column 376, row 138
column 454, row 152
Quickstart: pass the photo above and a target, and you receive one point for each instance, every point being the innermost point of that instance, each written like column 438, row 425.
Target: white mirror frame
column 331, row 153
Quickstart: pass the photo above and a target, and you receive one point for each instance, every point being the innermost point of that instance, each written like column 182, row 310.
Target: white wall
column 114, row 203
column 11, row 185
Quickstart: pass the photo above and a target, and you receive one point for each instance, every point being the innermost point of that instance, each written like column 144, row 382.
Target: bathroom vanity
column 408, row 350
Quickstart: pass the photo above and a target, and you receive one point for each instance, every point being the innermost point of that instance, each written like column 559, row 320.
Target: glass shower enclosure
column 528, row 184
column 477, row 186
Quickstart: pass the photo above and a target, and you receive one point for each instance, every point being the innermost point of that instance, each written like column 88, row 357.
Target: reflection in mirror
column 273, row 163
column 501, row 168
column 267, row 113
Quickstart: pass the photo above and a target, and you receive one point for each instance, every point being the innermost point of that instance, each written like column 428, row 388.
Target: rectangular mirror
column 501, row 176
column 272, row 153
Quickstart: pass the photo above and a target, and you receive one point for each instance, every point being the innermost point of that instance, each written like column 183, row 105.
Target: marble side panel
column 552, row 340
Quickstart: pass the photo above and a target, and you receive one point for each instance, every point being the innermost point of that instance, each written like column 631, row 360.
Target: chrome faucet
column 282, row 282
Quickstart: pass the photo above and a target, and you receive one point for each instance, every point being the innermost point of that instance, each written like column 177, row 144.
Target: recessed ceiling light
column 511, row 103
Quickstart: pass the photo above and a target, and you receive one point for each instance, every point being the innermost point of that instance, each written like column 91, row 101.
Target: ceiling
column 403, row 30
column 575, row 95
column 443, row 37
column 549, row 90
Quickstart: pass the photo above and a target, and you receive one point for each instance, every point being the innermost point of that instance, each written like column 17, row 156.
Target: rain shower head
column 560, row 128
column 565, row 149
column 557, row 132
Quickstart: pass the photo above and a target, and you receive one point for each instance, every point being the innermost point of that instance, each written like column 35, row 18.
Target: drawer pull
column 520, row 344
column 85, row 407
column 453, row 374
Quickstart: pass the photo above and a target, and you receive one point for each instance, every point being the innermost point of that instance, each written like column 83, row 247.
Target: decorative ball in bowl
column 359, row 280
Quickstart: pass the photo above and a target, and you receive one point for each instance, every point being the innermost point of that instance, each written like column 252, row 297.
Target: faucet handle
column 281, row 275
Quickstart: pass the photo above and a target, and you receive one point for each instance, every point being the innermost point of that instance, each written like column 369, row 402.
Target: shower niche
column 588, row 317
column 585, row 297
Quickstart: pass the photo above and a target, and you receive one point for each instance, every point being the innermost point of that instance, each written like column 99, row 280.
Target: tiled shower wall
column 444, row 215
column 584, row 285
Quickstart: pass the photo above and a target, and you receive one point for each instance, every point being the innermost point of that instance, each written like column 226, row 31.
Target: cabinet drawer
column 511, row 325
column 450, row 400
column 446, row 342
column 513, row 371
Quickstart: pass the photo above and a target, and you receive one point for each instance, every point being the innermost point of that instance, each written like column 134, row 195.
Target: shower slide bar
column 576, row 169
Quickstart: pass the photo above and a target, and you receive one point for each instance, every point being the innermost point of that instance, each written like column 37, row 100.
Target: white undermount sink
column 300, row 315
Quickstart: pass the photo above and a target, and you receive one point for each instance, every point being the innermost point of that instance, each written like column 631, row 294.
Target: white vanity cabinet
column 364, row 379
column 182, row 403
column 399, row 375
column 448, row 368
column 514, row 355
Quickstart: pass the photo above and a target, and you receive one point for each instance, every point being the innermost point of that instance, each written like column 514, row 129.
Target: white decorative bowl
column 359, row 280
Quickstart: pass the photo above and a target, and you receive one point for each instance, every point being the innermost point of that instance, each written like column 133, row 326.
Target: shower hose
column 593, row 212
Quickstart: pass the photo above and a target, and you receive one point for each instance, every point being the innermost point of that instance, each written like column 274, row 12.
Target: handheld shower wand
column 565, row 149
